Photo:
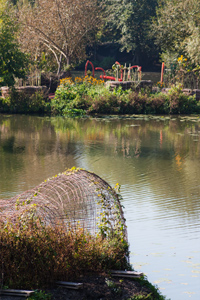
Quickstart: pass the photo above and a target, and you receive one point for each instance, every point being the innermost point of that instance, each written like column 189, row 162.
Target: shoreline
column 101, row 287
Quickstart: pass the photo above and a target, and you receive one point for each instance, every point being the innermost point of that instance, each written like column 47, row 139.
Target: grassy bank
column 90, row 96
column 35, row 256
column 38, row 248
column 105, row 287
column 20, row 103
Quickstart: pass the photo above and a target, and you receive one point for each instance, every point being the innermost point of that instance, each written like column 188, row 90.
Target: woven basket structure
column 75, row 198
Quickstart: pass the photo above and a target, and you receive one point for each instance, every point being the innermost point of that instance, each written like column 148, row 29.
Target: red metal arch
column 86, row 65
column 138, row 68
column 98, row 68
column 121, row 78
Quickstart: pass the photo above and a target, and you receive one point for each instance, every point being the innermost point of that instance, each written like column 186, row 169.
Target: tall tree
column 64, row 27
column 13, row 62
column 177, row 28
column 130, row 23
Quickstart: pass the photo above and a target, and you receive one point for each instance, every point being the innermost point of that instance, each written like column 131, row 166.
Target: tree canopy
column 177, row 28
column 130, row 21
column 58, row 32
column 13, row 62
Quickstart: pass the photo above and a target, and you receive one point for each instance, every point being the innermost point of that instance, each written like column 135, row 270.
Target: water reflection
column 162, row 153
column 155, row 159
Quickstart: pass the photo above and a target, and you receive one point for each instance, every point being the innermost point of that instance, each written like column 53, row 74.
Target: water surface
column 155, row 159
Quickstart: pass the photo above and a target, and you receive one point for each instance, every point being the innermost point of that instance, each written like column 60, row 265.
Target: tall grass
column 36, row 255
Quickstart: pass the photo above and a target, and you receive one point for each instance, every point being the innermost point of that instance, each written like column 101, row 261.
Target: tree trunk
column 68, row 61
column 59, row 65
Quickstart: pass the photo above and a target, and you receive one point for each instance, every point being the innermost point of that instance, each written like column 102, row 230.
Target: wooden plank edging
column 130, row 274
column 70, row 285
column 13, row 292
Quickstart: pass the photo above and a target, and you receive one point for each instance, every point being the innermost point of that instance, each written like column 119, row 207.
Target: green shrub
column 157, row 104
column 180, row 103
column 90, row 95
column 4, row 105
column 19, row 102
column 71, row 95
column 40, row 295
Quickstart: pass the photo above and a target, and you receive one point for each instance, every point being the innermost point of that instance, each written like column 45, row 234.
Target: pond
column 155, row 159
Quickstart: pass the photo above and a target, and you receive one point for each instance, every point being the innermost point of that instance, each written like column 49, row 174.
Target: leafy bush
column 19, row 102
column 89, row 95
column 180, row 70
column 157, row 104
column 69, row 94
column 40, row 295
column 180, row 103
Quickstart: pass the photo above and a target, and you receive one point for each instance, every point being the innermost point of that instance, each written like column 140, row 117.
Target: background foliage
column 13, row 62
column 57, row 34
column 176, row 29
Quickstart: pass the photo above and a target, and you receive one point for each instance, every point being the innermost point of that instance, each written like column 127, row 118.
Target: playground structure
column 131, row 73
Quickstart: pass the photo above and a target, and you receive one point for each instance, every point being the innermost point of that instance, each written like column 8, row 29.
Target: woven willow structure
column 76, row 198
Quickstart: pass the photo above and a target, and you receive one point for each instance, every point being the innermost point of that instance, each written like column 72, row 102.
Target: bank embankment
column 89, row 96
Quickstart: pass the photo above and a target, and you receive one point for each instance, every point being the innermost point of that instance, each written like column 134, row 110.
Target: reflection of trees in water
column 10, row 146
column 40, row 136
column 166, row 151
column 8, row 151
column 127, row 133
column 32, row 135
column 160, row 154
column 26, row 144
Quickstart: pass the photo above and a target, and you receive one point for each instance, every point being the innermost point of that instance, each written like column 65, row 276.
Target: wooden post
column 117, row 77
column 124, row 75
column 162, row 72
column 140, row 73
column 129, row 72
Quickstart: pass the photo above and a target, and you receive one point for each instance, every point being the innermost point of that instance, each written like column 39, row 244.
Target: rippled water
column 155, row 159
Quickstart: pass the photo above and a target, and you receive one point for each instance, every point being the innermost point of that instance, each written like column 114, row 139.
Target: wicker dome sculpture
column 76, row 197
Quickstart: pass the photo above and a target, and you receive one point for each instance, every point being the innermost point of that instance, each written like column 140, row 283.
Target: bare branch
column 64, row 27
